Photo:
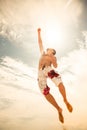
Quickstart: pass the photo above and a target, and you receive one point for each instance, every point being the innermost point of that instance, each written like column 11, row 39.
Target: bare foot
column 69, row 107
column 61, row 118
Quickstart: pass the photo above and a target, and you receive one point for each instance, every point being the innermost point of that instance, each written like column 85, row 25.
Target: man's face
column 49, row 51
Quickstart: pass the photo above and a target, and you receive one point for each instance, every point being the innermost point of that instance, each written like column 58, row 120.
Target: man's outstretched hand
column 39, row 29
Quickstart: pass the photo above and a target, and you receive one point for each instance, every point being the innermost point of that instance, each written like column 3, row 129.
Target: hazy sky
column 61, row 21
column 64, row 27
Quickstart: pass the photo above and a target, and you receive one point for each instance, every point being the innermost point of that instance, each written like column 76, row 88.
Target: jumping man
column 47, row 63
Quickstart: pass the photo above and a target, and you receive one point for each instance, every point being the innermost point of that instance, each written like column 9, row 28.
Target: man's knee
column 60, row 84
column 46, row 90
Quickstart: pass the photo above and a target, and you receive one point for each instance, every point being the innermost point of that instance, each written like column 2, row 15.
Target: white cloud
column 15, row 72
column 75, row 63
column 19, row 20
column 82, row 43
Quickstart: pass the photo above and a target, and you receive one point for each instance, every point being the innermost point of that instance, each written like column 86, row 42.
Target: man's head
column 51, row 51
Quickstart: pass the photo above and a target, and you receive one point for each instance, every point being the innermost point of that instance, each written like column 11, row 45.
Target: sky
column 63, row 27
column 61, row 22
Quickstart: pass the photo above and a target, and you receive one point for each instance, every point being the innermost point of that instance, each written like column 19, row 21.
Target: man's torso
column 45, row 61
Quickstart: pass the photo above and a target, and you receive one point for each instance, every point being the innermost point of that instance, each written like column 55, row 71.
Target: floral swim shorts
column 45, row 73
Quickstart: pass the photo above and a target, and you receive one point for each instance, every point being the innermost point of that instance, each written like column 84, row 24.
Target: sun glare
column 54, row 35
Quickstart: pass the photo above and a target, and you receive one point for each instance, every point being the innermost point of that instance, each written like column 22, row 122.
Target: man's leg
column 52, row 101
column 55, row 77
column 42, row 82
column 63, row 93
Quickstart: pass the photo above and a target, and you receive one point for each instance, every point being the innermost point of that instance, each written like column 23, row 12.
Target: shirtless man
column 45, row 70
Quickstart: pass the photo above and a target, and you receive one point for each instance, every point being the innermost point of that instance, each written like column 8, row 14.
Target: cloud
column 5, row 103
column 72, row 12
column 17, row 74
column 74, row 64
column 15, row 23
column 19, row 23
column 82, row 42
column 19, row 20
column 74, row 75
column 69, row 62
column 18, row 81
column 19, row 34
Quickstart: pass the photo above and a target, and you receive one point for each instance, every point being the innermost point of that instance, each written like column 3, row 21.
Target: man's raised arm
column 40, row 41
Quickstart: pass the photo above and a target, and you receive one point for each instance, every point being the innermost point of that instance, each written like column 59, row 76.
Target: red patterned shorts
column 47, row 72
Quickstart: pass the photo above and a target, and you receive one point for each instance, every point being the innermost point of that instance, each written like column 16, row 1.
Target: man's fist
column 39, row 29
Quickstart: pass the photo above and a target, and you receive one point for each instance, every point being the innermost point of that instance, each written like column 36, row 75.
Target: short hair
column 54, row 51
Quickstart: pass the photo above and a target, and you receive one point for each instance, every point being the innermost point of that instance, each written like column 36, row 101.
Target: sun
column 54, row 35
